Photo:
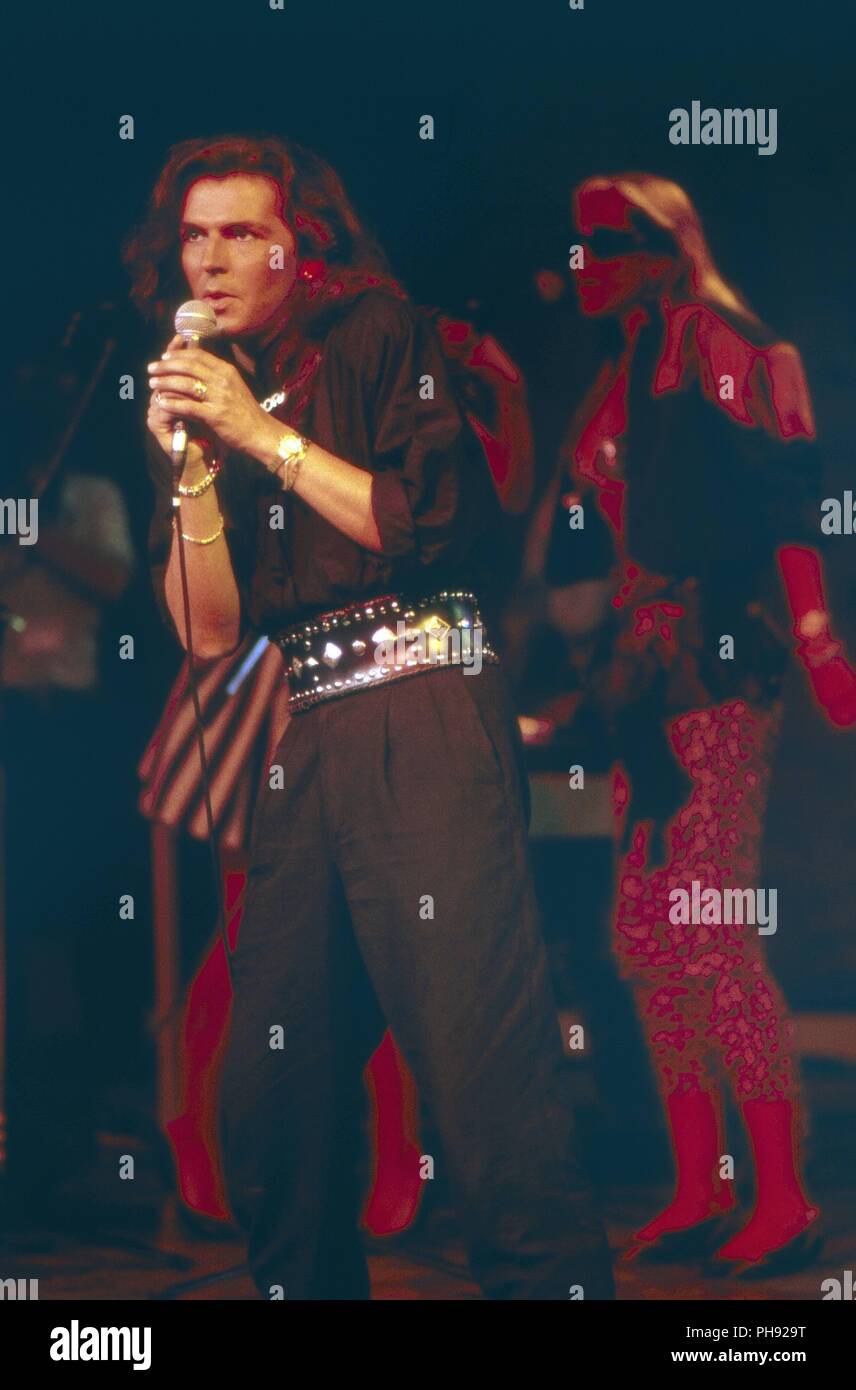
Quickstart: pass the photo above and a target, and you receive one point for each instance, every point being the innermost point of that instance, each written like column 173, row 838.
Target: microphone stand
column 162, row 1250
column 24, row 1243
column 74, row 423
column 37, row 490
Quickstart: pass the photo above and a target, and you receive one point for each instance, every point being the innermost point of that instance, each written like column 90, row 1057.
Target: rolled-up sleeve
column 431, row 491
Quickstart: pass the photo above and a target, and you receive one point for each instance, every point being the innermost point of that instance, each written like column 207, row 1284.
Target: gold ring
column 200, row 390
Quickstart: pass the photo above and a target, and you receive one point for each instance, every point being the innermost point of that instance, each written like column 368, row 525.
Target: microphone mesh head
column 196, row 319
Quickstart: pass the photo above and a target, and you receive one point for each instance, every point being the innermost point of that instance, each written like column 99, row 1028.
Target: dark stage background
column 527, row 100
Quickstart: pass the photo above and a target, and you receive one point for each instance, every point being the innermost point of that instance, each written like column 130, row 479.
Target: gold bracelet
column 202, row 540
column 197, row 489
column 292, row 469
column 291, row 450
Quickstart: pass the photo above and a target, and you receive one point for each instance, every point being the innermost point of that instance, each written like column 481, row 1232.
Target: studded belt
column 379, row 640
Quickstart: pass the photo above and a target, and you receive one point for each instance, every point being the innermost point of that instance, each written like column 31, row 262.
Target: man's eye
column 189, row 234
column 241, row 233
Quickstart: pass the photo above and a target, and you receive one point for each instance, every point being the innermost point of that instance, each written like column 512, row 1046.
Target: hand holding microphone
column 193, row 387
column 161, row 418
column 194, row 321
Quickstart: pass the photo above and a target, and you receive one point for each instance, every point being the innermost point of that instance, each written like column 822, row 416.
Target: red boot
column 199, row 1180
column 397, row 1188
column 782, row 1210
column 193, row 1134
column 700, row 1193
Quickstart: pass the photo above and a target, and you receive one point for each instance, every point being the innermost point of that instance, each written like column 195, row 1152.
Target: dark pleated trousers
column 390, row 884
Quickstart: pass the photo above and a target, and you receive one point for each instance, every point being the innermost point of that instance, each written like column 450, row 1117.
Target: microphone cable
column 178, row 455
column 195, row 320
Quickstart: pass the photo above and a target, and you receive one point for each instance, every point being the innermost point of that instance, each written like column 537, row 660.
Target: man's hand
column 192, row 384
column 161, row 421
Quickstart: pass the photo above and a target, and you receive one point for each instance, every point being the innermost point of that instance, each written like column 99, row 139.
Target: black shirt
column 706, row 496
column 432, row 497
column 708, row 502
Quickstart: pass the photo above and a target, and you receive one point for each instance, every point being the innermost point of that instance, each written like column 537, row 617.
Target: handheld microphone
column 194, row 320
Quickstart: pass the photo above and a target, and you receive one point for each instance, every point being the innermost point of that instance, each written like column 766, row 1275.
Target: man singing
column 389, row 880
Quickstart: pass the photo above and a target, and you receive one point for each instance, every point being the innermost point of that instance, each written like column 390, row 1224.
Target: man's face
column 228, row 227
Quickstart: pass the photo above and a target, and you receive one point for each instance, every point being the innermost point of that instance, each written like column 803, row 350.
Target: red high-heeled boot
column 700, row 1194
column 193, row 1134
column 782, row 1211
column 397, row 1188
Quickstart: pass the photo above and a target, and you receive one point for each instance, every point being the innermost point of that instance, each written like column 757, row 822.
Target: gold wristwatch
column 290, row 450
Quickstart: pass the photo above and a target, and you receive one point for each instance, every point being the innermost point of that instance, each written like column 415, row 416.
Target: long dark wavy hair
column 338, row 257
